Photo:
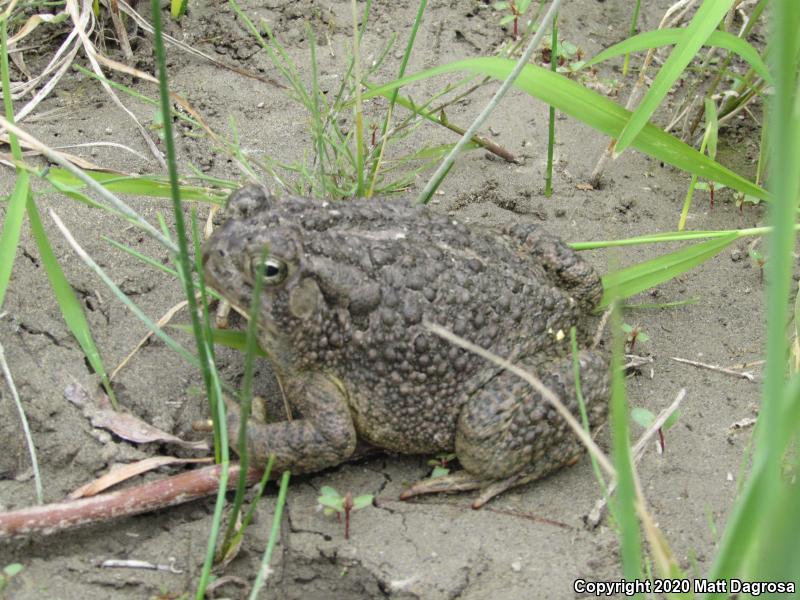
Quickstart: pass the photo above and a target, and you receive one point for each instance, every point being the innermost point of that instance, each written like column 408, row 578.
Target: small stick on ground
column 743, row 374
column 59, row 516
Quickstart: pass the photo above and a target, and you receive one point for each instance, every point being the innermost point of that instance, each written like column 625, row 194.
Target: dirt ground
column 530, row 542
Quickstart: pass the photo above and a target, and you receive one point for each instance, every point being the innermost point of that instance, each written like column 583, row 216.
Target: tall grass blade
column 673, row 236
column 632, row 32
column 668, row 37
column 264, row 571
column 624, row 502
column 140, row 185
column 9, row 238
column 204, row 350
column 632, row 280
column 694, row 36
column 246, row 396
column 595, row 110
column 12, row 226
column 709, row 142
column 70, row 307
column 768, row 504
column 178, row 8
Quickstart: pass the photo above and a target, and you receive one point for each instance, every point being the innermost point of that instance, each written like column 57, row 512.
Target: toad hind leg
column 509, row 435
column 324, row 437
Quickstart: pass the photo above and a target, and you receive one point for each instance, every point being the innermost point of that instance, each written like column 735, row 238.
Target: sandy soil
column 529, row 543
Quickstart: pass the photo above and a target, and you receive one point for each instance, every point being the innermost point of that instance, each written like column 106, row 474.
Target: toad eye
column 274, row 271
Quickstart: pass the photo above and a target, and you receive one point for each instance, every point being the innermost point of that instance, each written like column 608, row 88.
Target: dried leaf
column 127, row 426
column 119, row 473
column 133, row 429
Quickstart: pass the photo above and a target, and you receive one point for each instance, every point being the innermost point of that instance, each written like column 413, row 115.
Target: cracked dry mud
column 529, row 543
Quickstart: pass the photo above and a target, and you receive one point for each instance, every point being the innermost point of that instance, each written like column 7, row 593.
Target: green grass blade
column 625, row 499
column 70, row 307
column 264, row 571
column 595, row 110
column 668, row 37
column 151, row 262
column 766, row 507
column 11, row 230
column 710, row 142
column 112, row 200
column 15, row 212
column 673, row 236
column 632, row 32
column 257, row 496
column 237, row 340
column 182, row 261
column 178, row 8
column 703, row 23
column 155, row 187
column 576, row 374
column 632, row 280
column 246, row 398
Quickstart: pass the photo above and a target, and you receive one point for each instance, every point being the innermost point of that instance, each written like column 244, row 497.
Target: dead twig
column 147, row 497
column 113, row 563
column 742, row 374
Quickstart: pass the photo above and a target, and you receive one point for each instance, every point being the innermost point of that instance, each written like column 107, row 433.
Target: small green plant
column 645, row 418
column 440, row 462
column 333, row 502
column 515, row 9
column 632, row 334
column 9, row 571
column 569, row 57
column 742, row 199
column 712, row 188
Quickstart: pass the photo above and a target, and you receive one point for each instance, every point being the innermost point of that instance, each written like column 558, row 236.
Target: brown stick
column 52, row 518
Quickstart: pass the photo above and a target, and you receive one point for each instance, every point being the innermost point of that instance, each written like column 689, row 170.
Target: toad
column 346, row 289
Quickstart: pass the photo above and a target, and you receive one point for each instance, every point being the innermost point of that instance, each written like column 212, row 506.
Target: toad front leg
column 325, row 435
column 509, row 435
